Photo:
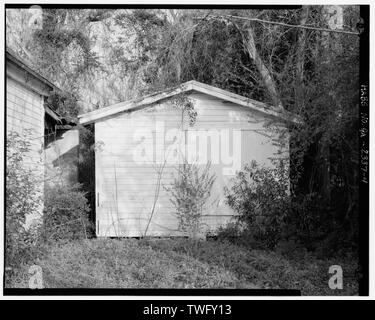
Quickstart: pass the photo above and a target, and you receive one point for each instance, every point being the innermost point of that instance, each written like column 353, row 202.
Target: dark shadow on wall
column 69, row 161
column 61, row 155
column 86, row 165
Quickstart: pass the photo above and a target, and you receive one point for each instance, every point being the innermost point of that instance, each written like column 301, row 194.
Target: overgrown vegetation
column 280, row 268
column 124, row 264
column 189, row 194
column 23, row 200
column 28, row 230
column 66, row 214
column 260, row 196
column 270, row 212
column 130, row 263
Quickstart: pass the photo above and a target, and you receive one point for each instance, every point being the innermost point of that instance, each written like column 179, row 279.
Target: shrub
column 306, row 220
column 238, row 234
column 271, row 213
column 190, row 192
column 230, row 232
column 23, row 199
column 261, row 197
column 66, row 213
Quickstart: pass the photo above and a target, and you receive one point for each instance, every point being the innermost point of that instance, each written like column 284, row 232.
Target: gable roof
column 140, row 103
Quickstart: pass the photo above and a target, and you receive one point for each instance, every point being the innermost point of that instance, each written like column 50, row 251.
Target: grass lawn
column 181, row 263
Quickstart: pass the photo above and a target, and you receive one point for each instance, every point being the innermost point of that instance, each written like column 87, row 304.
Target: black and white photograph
column 186, row 149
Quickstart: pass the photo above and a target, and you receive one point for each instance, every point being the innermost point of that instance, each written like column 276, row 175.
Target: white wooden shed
column 139, row 143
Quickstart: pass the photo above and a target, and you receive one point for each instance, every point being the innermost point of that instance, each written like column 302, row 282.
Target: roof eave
column 54, row 115
column 24, row 66
column 132, row 105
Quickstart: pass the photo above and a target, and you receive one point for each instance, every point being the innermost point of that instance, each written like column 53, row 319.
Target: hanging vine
column 183, row 102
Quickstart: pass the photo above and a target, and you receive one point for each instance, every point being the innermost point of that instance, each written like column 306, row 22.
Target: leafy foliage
column 64, row 103
column 23, row 199
column 183, row 102
column 260, row 196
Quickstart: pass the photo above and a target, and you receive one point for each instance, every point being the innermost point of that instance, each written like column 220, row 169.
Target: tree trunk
column 334, row 18
column 299, row 79
column 268, row 81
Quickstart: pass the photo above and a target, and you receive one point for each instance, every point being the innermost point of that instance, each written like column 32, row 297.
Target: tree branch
column 288, row 25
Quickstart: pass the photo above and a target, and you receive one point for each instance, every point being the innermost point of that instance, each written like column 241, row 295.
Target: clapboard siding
column 25, row 116
column 126, row 189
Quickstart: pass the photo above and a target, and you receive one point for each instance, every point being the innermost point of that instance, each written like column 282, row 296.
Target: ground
column 181, row 263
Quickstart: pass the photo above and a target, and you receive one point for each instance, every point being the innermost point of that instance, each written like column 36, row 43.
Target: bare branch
column 287, row 25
